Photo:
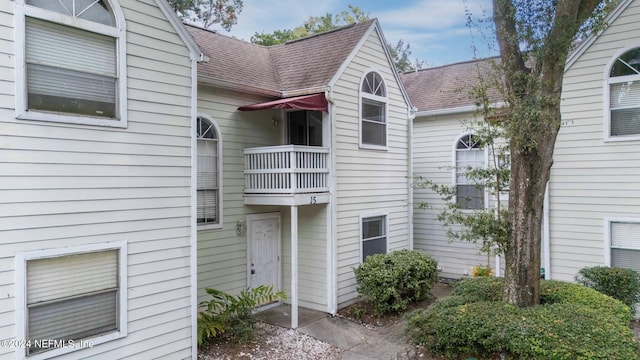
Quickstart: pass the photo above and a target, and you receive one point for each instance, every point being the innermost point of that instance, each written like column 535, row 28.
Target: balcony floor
column 287, row 199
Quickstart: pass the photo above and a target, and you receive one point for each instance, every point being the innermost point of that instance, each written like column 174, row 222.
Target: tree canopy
column 534, row 38
column 317, row 24
column 208, row 12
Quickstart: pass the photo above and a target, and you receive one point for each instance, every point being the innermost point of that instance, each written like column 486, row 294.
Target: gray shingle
column 296, row 65
column 449, row 86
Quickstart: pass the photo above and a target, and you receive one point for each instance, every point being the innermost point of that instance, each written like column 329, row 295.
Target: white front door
column 264, row 250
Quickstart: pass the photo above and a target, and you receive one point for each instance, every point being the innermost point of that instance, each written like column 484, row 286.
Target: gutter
column 455, row 110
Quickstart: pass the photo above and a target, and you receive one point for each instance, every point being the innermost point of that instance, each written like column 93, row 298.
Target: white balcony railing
column 287, row 169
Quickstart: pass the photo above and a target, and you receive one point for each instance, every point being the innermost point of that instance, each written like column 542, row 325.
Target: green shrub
column 570, row 331
column 479, row 289
column 392, row 281
column 621, row 284
column 573, row 322
column 461, row 331
column 560, row 292
column 233, row 315
column 490, row 329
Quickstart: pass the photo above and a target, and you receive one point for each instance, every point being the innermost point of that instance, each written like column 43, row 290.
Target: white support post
column 294, row 267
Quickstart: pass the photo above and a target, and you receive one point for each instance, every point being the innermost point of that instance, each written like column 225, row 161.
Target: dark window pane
column 625, row 258
column 625, row 122
column 374, row 128
column 314, row 121
column 627, row 64
column 74, row 319
column 305, row 128
column 373, row 227
column 297, row 128
column 373, row 110
column 373, row 84
column 376, row 246
column 470, row 196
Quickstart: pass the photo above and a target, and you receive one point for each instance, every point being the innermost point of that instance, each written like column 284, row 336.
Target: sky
column 436, row 30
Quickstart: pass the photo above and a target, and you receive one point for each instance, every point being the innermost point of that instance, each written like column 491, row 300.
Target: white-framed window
column 623, row 103
column 70, row 58
column 622, row 243
column 73, row 298
column 373, row 230
column 209, row 155
column 469, row 154
column 373, row 112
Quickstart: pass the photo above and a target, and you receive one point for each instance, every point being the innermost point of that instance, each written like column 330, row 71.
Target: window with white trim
column 624, row 95
column 209, row 172
column 373, row 111
column 625, row 245
column 73, row 62
column 374, row 235
column 71, row 295
column 469, row 154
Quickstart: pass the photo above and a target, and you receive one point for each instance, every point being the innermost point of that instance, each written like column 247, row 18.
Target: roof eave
column 591, row 39
column 306, row 91
column 456, row 110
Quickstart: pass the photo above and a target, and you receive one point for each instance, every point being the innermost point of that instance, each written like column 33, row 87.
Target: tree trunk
column 522, row 254
column 533, row 94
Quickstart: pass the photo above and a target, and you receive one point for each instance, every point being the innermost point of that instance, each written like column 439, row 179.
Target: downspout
column 194, row 225
column 410, row 116
column 332, row 216
column 546, row 235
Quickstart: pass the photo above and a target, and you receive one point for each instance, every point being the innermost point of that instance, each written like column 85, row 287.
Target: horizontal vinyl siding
column 7, row 73
column 67, row 185
column 591, row 179
column 433, row 141
column 312, row 256
column 222, row 254
column 368, row 181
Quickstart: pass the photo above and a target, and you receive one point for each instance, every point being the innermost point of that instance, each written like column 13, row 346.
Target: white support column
column 294, row 267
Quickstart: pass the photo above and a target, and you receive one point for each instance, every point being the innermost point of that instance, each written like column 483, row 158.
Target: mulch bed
column 364, row 313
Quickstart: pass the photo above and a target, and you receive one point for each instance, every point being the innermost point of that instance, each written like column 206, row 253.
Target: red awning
column 306, row 102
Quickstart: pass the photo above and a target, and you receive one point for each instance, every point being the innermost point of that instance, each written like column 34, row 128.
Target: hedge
column 574, row 322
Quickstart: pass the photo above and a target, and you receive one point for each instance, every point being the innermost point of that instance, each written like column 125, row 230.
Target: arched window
column 624, row 94
column 209, row 172
column 74, row 62
column 469, row 154
column 373, row 111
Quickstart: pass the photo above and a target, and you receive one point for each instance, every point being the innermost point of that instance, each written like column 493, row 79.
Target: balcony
column 286, row 175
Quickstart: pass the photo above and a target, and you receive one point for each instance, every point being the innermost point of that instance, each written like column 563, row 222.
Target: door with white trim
column 263, row 238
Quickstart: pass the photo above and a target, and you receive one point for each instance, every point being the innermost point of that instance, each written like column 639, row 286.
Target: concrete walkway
column 356, row 341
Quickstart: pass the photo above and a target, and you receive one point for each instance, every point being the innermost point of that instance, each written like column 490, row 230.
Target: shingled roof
column 307, row 63
column 448, row 86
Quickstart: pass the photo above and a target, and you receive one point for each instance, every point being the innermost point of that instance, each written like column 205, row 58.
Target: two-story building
column 303, row 163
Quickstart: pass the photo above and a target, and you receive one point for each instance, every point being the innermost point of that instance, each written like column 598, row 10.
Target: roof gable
column 301, row 66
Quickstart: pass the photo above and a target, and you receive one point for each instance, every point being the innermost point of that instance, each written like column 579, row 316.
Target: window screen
column 374, row 236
